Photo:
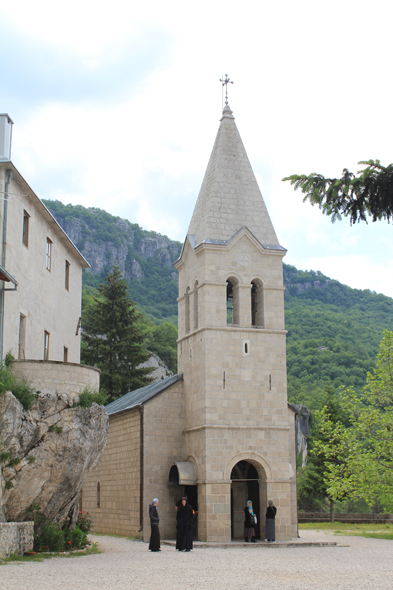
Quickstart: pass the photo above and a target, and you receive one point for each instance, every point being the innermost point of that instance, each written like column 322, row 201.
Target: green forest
column 334, row 331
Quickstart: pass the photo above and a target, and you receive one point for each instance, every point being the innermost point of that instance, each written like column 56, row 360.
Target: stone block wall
column 163, row 446
column 56, row 376
column 115, row 508
column 16, row 537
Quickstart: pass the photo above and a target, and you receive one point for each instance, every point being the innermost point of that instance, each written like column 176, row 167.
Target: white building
column 40, row 271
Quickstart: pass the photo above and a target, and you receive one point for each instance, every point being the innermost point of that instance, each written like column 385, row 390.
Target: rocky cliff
column 145, row 258
column 53, row 446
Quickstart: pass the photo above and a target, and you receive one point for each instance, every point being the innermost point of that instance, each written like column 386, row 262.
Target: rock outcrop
column 57, row 446
column 302, row 425
column 160, row 372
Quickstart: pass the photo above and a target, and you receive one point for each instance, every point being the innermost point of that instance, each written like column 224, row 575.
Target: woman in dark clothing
column 249, row 522
column 270, row 523
column 154, row 521
column 184, row 526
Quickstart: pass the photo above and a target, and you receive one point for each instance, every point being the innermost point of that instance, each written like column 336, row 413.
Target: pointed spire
column 230, row 198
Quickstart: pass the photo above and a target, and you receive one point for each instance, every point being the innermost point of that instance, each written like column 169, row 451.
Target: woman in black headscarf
column 154, row 521
column 184, row 526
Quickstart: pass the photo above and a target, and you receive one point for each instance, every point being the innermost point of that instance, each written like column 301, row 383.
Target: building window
column 22, row 337
column 98, row 495
column 65, row 355
column 49, row 254
column 46, row 345
column 232, row 301
column 25, row 234
column 67, row 275
column 257, row 303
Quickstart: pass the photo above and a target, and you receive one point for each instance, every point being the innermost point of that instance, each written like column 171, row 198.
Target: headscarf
column 271, row 503
column 155, row 501
column 250, row 508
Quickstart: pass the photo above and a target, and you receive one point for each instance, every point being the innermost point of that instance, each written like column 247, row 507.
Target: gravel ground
column 356, row 563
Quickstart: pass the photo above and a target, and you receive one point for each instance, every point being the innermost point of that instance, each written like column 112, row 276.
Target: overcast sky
column 116, row 105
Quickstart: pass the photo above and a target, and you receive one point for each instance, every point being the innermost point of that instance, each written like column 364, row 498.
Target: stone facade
column 55, row 377
column 112, row 491
column 229, row 415
column 42, row 302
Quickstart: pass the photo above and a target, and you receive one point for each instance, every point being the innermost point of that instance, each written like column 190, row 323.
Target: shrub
column 20, row 389
column 75, row 538
column 84, row 522
column 88, row 397
column 51, row 537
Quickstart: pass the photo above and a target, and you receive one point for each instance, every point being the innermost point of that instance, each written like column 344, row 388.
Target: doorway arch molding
column 255, row 459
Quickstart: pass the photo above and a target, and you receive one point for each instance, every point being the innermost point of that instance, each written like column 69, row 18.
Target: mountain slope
column 333, row 331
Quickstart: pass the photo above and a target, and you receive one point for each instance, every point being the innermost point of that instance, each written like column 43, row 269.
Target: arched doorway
column 248, row 482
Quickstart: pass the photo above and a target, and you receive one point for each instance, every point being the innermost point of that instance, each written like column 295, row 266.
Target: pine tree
column 113, row 340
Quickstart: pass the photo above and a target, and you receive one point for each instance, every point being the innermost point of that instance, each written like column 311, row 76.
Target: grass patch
column 16, row 558
column 370, row 531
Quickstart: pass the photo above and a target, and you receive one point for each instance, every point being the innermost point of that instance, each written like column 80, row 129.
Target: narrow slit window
column 48, row 254
column 246, row 347
column 65, row 354
column 196, row 305
column 223, row 380
column 229, row 303
column 46, row 345
column 98, row 495
column 25, row 234
column 270, row 382
column 67, row 275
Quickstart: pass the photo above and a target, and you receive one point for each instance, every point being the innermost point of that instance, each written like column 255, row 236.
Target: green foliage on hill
column 333, row 331
column 334, row 334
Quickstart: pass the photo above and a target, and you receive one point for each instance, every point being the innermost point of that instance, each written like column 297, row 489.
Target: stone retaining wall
column 56, row 376
column 356, row 518
column 16, row 537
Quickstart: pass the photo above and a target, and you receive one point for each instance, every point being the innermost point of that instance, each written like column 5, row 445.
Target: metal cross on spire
column 225, row 83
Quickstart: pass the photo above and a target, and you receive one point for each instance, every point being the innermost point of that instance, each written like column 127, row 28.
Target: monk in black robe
column 184, row 526
column 154, row 522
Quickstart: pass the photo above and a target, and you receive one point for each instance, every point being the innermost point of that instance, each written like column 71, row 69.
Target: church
column 221, row 430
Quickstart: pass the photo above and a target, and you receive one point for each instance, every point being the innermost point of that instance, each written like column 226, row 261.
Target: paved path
column 355, row 564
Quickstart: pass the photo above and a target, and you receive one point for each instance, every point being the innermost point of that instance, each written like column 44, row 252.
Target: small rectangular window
column 46, row 345
column 67, row 275
column 65, row 355
column 48, row 254
column 25, row 234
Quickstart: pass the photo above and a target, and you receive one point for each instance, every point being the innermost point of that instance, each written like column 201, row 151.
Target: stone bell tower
column 238, row 429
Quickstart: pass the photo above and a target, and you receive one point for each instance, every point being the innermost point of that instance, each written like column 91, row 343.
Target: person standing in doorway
column 249, row 521
column 154, row 522
column 270, row 523
column 184, row 526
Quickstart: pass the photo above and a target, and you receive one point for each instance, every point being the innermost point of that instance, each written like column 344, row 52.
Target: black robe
column 155, row 532
column 184, row 526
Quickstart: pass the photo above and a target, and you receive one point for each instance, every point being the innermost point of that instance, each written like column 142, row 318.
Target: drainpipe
column 3, row 258
column 140, row 530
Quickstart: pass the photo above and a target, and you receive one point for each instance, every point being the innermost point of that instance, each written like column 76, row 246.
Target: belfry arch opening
column 248, row 482
column 257, row 304
column 232, row 301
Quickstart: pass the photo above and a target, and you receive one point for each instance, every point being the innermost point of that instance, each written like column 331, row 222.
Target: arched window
column 232, row 301
column 196, row 305
column 98, row 495
column 187, row 310
column 257, row 303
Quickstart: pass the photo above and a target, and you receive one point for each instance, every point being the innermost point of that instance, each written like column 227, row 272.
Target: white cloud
column 142, row 154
